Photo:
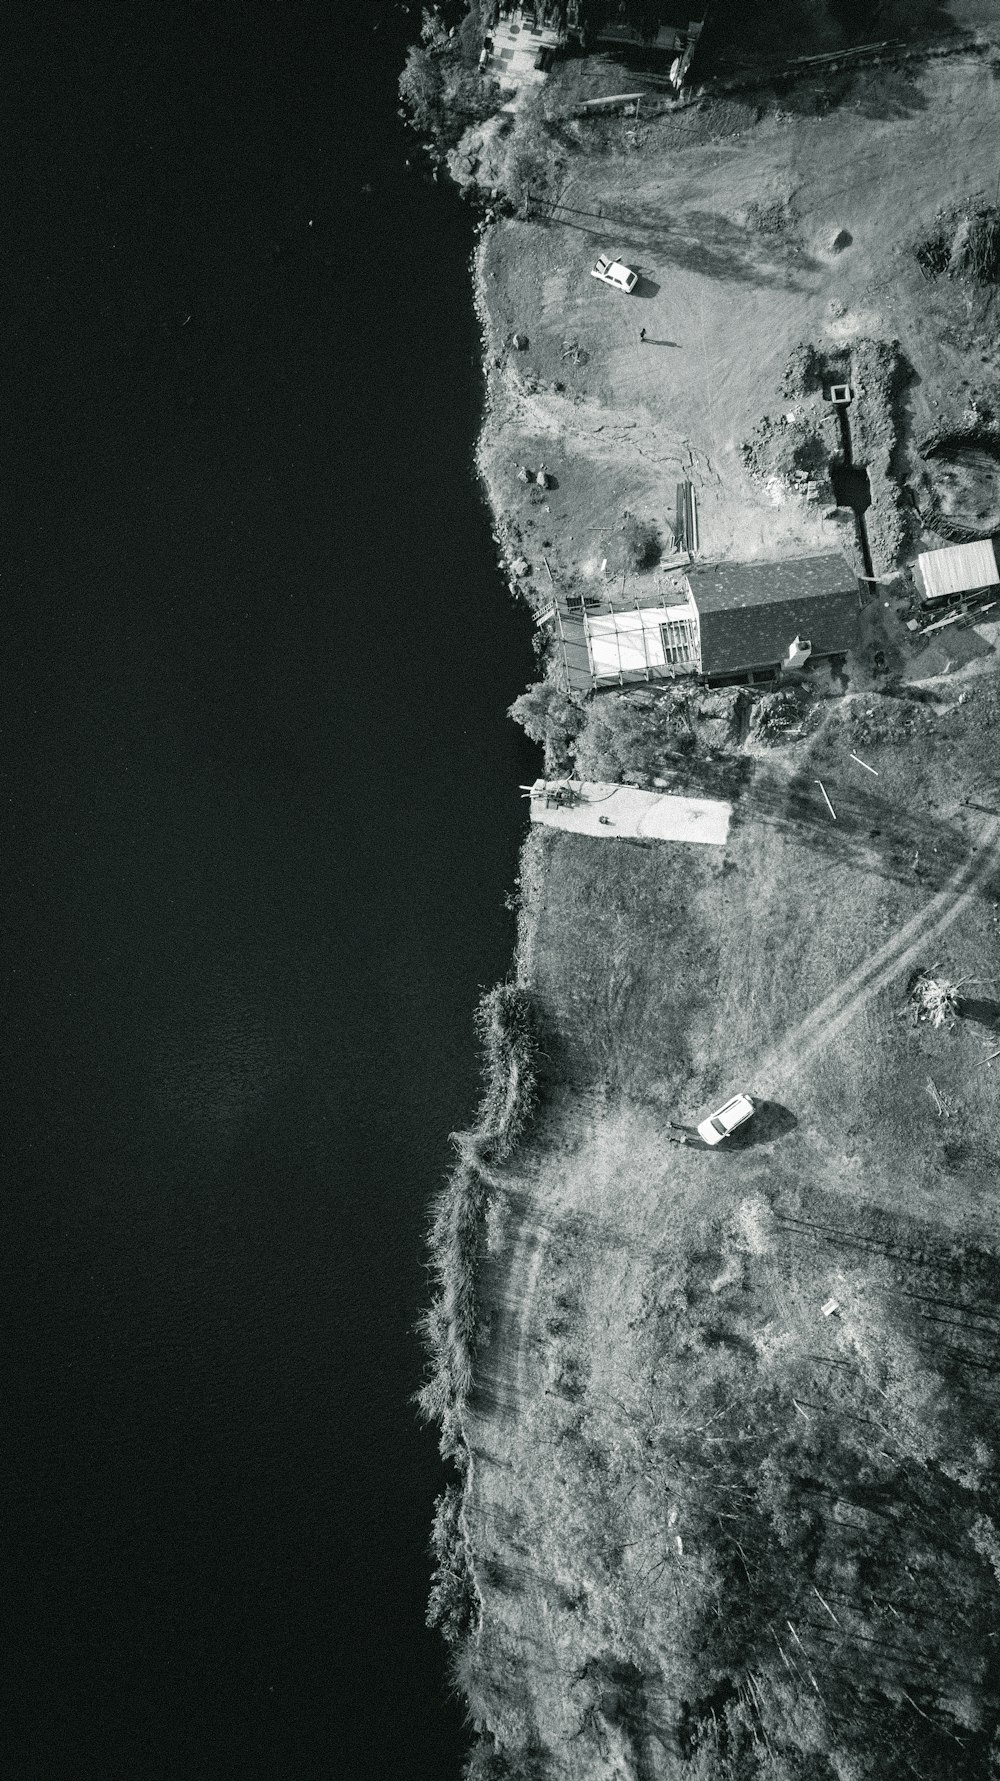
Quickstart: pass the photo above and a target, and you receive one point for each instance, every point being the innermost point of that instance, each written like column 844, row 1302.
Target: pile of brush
column 964, row 244
column 934, row 999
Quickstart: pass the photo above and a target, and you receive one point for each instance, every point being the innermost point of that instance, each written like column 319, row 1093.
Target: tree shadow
column 739, row 36
column 981, row 1009
column 702, row 241
column 883, row 836
column 881, row 93
column 715, row 246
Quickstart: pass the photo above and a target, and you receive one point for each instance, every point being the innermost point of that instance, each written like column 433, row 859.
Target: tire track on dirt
column 785, row 1061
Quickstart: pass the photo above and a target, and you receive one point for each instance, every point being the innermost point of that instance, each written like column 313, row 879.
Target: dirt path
column 785, row 1061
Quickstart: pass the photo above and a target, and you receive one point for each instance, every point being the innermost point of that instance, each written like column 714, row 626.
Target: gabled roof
column 958, row 569
column 751, row 613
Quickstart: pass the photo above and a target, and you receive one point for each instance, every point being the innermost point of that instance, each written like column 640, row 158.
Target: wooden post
column 829, row 806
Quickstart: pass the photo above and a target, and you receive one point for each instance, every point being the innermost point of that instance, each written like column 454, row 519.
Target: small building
column 957, row 571
column 757, row 618
column 726, row 624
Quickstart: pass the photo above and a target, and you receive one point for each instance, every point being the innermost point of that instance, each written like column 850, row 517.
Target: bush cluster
column 964, row 244
column 634, row 734
column 441, row 87
column 453, row 1603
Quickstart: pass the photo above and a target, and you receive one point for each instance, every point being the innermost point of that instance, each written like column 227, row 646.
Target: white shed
column 958, row 569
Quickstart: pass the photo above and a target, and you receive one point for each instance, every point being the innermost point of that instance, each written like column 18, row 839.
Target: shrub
column 633, row 733
column 489, row 1761
column 548, row 714
column 422, row 87
column 453, row 1603
column 534, row 158
column 450, row 1325
column 934, row 999
column 641, row 540
column 441, row 87
column 505, row 1022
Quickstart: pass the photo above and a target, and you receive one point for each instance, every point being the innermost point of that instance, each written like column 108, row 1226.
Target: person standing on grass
column 642, row 333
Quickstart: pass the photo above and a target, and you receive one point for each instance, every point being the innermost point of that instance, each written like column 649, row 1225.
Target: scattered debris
column 964, row 244
column 932, row 1090
column 571, row 349
column 775, row 715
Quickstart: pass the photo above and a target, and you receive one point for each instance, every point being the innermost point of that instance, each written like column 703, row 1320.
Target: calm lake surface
column 260, row 813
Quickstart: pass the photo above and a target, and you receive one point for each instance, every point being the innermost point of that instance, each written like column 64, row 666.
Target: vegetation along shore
column 723, row 1411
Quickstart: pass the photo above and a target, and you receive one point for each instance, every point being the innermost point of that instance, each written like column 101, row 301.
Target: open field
column 715, row 1533
column 730, row 211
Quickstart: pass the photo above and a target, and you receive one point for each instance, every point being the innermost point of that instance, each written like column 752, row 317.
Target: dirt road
column 783, row 1062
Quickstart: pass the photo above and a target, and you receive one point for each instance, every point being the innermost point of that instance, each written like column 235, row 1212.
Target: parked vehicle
column 734, row 1113
column 615, row 272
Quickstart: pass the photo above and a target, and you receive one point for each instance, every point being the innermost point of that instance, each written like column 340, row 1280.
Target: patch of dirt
column 724, row 297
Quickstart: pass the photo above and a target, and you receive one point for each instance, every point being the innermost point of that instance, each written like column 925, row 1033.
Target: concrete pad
column 610, row 812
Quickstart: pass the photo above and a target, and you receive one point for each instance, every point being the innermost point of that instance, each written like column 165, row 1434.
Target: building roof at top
column 751, row 613
column 957, row 569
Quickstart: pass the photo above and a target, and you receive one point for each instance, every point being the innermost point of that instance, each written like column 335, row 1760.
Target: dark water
column 260, row 811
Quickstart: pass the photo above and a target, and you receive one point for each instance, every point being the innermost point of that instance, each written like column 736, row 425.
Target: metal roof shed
column 751, row 613
column 958, row 569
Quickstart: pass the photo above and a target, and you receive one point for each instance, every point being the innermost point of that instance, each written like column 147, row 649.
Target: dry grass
column 674, row 1377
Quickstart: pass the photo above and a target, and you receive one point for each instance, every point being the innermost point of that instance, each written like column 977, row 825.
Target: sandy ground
column 723, row 301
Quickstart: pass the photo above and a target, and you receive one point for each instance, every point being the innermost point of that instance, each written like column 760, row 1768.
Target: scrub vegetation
column 506, row 1028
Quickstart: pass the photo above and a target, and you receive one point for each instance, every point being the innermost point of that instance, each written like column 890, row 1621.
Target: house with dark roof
column 731, row 624
column 756, row 618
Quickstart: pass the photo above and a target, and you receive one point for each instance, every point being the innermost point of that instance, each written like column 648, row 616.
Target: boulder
column 842, row 239
column 519, row 342
column 523, row 473
column 520, row 567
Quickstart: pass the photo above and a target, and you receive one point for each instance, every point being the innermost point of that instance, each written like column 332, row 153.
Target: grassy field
column 714, row 1532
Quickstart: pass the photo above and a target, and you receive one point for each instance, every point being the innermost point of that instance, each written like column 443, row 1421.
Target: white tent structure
column 642, row 643
column 957, row 569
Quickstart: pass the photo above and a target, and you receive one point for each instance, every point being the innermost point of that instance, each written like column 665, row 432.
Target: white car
column 719, row 1125
column 615, row 272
